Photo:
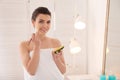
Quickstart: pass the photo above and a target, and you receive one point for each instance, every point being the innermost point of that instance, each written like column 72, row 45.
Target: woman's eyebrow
column 42, row 20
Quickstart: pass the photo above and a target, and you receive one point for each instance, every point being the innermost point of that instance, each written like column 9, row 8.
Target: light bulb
column 74, row 46
column 75, row 50
column 79, row 25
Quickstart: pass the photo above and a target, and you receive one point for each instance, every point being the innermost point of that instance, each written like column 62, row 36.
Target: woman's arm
column 30, row 63
column 59, row 58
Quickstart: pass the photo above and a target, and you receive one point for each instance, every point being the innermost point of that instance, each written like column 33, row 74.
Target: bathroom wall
column 96, row 29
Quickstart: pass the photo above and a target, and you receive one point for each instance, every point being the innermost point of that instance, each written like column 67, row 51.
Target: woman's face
column 42, row 23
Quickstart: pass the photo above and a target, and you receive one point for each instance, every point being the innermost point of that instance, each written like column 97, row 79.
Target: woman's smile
column 43, row 30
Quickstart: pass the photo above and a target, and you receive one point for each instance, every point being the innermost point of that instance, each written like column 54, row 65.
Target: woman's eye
column 48, row 22
column 40, row 21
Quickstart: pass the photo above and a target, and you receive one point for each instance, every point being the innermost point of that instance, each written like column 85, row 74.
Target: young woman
column 37, row 55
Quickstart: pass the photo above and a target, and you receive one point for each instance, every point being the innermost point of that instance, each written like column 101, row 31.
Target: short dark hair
column 40, row 10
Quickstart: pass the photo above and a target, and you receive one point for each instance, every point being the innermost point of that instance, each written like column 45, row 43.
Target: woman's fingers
column 30, row 40
column 35, row 40
column 60, row 53
column 56, row 56
column 33, row 37
column 37, row 36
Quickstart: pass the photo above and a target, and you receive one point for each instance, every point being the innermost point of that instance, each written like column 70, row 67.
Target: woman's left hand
column 56, row 56
column 59, row 60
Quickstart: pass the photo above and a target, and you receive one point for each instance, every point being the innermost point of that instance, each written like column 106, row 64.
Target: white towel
column 47, row 69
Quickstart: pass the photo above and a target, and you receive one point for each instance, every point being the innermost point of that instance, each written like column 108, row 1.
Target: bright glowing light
column 79, row 25
column 75, row 50
column 74, row 46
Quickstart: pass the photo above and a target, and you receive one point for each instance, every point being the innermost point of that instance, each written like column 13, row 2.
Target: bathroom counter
column 82, row 77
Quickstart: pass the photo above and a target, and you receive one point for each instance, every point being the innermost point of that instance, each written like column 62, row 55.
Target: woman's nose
column 45, row 25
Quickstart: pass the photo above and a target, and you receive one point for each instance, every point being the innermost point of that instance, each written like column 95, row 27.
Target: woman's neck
column 42, row 37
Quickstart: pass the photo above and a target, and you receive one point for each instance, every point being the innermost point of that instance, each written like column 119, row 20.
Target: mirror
column 112, row 52
column 15, row 26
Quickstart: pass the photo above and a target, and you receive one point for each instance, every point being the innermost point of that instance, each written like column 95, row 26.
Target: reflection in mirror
column 16, row 26
column 113, row 40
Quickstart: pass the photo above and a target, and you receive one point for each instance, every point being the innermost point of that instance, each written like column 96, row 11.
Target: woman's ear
column 33, row 23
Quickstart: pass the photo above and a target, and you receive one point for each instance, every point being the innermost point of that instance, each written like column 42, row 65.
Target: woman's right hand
column 35, row 41
column 31, row 62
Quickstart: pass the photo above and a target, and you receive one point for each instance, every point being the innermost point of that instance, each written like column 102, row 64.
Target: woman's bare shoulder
column 24, row 45
column 55, row 42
